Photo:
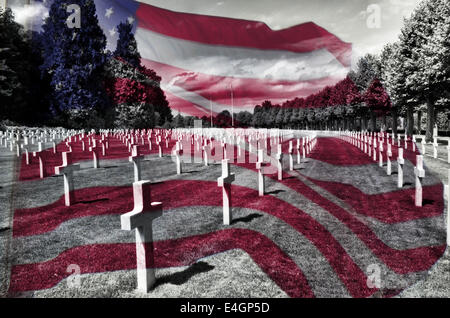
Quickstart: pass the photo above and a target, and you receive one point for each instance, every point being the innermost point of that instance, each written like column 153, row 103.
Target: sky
column 347, row 19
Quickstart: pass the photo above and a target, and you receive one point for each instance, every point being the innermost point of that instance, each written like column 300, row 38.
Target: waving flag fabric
column 318, row 232
column 204, row 60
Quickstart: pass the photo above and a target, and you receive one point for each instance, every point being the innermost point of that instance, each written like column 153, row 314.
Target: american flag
column 319, row 232
column 201, row 57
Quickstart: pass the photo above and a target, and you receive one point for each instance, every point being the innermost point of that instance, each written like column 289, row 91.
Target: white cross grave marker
column 389, row 155
column 291, row 159
column 435, row 148
column 400, row 163
column 419, row 172
column 178, row 153
column 95, row 156
column 136, row 159
column 225, row 183
column 259, row 167
column 67, row 170
column 279, row 157
column 140, row 219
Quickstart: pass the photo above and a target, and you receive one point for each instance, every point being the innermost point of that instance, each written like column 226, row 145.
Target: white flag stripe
column 237, row 61
column 199, row 101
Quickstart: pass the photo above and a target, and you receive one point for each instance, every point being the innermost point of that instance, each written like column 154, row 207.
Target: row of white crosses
column 364, row 142
column 141, row 217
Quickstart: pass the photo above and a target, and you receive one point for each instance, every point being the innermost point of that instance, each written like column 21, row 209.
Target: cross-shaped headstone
column 279, row 157
column 380, row 154
column 388, row 156
column 42, row 173
column 158, row 143
column 365, row 144
column 447, row 191
column 291, row 159
column 136, row 159
column 374, row 149
column 178, row 152
column 419, row 172
column 95, row 156
column 435, row 148
column 225, row 183
column 400, row 163
column 140, row 219
column 67, row 169
column 205, row 149
column 303, row 148
column 260, row 167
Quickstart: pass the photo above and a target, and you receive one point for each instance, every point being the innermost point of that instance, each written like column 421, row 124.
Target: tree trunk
column 394, row 122
column 373, row 121
column 419, row 122
column 430, row 119
column 410, row 120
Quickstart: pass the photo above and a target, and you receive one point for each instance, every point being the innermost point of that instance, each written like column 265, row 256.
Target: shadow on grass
column 246, row 219
column 427, row 202
column 192, row 171
column 4, row 229
column 274, row 192
column 183, row 276
column 407, row 184
column 109, row 167
column 92, row 201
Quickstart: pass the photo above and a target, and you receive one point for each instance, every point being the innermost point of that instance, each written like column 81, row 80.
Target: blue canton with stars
column 110, row 13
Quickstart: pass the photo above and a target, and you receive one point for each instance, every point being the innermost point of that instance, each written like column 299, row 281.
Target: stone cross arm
column 140, row 217
column 419, row 172
column 67, row 169
column 225, row 179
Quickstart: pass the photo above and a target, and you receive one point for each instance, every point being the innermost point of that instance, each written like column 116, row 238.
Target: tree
column 127, row 87
column 135, row 115
column 435, row 69
column 126, row 45
column 279, row 118
column 393, row 79
column 377, row 99
column 287, row 116
column 178, row 121
column 368, row 68
column 74, row 60
column 421, row 44
column 22, row 93
column 223, row 119
column 243, row 119
column 258, row 116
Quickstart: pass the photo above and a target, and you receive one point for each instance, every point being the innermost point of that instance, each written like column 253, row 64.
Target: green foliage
column 21, row 89
column 135, row 115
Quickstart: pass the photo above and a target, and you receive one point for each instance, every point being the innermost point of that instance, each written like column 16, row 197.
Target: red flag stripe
column 181, row 252
column 306, row 37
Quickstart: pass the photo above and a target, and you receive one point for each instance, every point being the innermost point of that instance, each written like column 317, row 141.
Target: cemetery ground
column 331, row 223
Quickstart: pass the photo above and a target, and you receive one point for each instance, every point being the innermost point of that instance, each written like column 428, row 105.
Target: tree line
column 65, row 76
column 410, row 76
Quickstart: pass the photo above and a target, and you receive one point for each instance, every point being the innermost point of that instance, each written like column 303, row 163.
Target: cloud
column 29, row 13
